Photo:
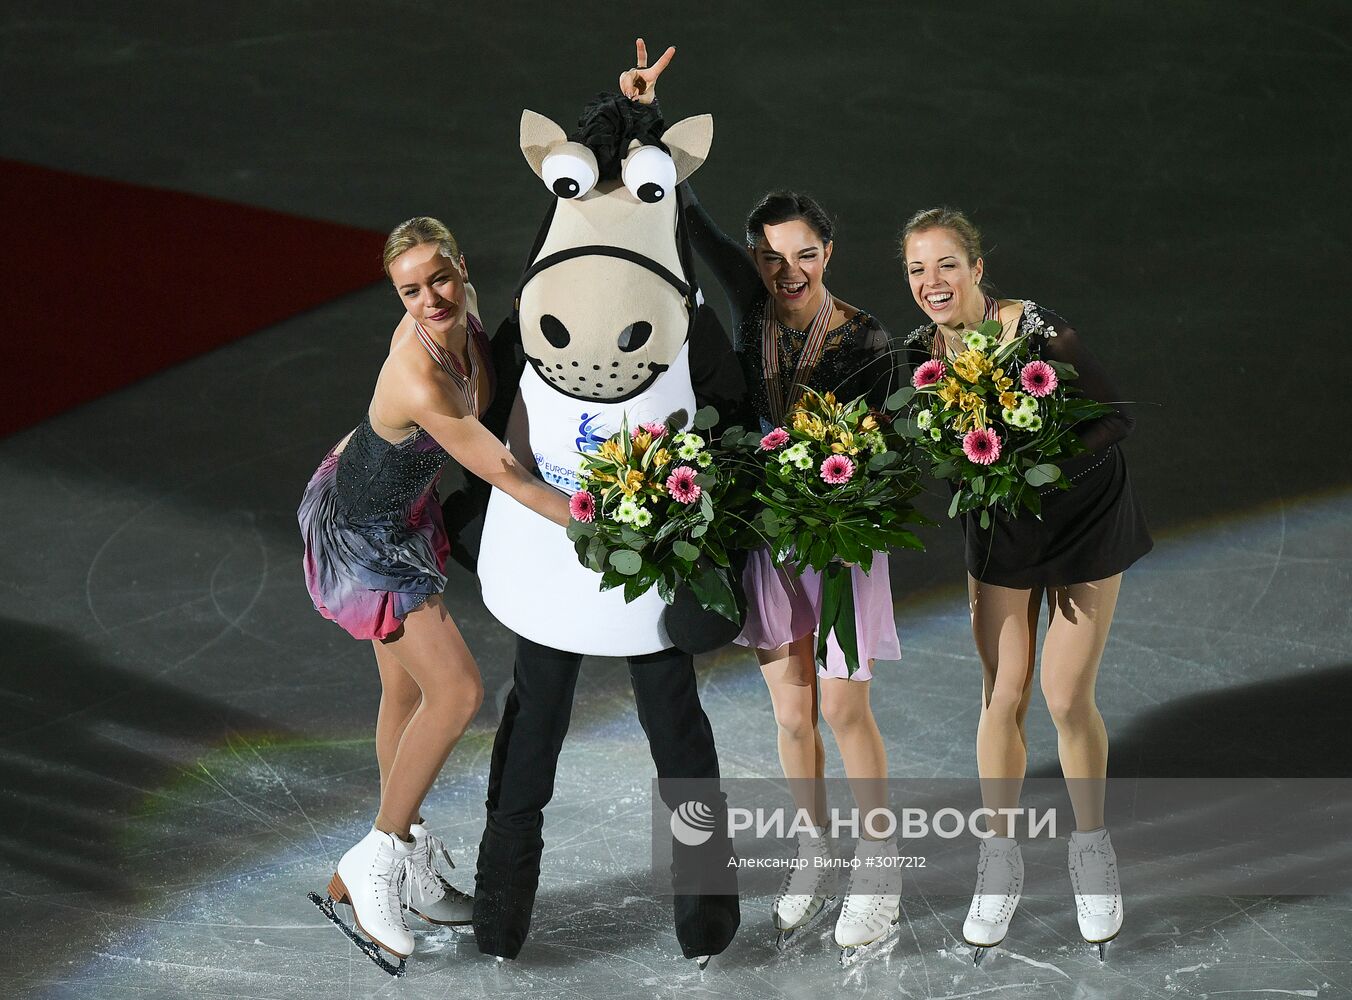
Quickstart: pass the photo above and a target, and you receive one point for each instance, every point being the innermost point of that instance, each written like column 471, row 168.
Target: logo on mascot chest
column 591, row 434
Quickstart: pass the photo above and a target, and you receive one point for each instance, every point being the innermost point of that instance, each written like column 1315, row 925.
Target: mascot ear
column 689, row 141
column 538, row 136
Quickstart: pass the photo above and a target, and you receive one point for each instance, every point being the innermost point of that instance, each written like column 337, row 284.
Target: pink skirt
column 783, row 606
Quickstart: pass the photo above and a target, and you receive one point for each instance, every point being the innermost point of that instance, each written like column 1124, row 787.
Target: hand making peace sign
column 640, row 83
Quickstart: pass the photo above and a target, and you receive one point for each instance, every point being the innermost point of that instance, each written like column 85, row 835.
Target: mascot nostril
column 634, row 336
column 555, row 332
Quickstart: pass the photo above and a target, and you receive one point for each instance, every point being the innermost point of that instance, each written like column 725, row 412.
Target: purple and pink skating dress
column 853, row 359
column 375, row 543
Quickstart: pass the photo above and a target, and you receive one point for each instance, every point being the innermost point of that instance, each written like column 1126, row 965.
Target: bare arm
column 474, row 447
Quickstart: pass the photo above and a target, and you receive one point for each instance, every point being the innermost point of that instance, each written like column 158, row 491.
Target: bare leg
column 791, row 675
column 1080, row 616
column 845, row 705
column 399, row 699
column 1004, row 625
column 432, row 651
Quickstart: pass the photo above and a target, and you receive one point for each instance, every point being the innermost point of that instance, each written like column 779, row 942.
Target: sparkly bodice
column 377, row 478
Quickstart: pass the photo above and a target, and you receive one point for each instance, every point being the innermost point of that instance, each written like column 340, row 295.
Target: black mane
column 610, row 122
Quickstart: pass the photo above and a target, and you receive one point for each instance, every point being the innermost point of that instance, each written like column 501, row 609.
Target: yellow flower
column 809, row 424
column 973, row 406
column 633, row 482
column 970, row 365
column 1002, row 381
column 611, row 449
column 661, row 458
column 869, row 423
column 949, row 391
column 829, row 399
column 641, row 441
column 845, row 445
column 1008, row 400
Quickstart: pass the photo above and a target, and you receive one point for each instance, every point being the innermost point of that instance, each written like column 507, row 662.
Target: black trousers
column 521, row 783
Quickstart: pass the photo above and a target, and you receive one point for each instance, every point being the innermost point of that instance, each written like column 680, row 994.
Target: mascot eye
column 649, row 174
column 570, row 170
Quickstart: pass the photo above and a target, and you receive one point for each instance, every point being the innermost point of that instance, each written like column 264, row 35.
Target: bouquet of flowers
column 994, row 419
column 648, row 514
column 833, row 486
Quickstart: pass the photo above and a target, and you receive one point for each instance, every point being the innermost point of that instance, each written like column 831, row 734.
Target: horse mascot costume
column 608, row 326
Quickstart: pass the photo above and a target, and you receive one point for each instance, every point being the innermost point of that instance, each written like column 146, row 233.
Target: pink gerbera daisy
column 682, row 486
column 982, row 446
column 837, row 469
column 582, row 507
column 1038, row 379
column 775, row 439
column 928, row 373
column 655, row 429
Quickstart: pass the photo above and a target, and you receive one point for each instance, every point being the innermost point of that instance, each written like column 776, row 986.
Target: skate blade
column 702, row 961
column 366, row 946
column 854, row 954
column 786, row 939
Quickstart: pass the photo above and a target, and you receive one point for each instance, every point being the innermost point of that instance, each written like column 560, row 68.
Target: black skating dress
column 1093, row 530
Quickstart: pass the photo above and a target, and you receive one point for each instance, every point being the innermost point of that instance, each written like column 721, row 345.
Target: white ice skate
column 371, row 878
column 802, row 899
column 869, row 919
column 429, row 895
column 999, row 887
column 1098, row 895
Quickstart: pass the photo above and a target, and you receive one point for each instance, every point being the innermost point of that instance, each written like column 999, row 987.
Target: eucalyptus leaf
column 953, row 507
column 899, row 398
column 626, row 561
column 706, row 417
column 684, row 550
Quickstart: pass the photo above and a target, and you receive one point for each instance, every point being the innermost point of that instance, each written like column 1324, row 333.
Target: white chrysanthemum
column 1034, row 422
column 1022, row 418
column 804, row 461
column 1027, row 402
column 642, row 517
column 976, row 340
column 687, row 451
column 924, row 419
column 626, row 512
column 1010, row 417
column 704, row 460
column 936, row 434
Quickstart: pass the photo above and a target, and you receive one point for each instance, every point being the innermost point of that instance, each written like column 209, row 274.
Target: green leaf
column 991, row 328
column 979, row 485
column 705, row 418
column 706, row 507
column 899, row 398
column 698, row 530
column 632, row 538
column 1041, row 475
column 944, row 470
column 706, row 480
column 985, row 518
column 626, row 561
column 578, row 530
column 953, row 507
column 882, row 461
column 684, row 550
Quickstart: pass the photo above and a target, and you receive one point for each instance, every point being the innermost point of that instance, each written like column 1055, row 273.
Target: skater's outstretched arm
column 433, row 406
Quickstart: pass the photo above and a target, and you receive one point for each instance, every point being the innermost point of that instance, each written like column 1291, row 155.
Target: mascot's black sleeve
column 463, row 511
column 715, row 370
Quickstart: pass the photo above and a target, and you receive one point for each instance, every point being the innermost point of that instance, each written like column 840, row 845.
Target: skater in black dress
column 1074, row 554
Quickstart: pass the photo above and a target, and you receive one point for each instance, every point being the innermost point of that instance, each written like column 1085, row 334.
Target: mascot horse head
column 609, row 298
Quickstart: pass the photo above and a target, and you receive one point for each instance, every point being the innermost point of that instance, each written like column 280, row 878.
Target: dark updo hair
column 786, row 206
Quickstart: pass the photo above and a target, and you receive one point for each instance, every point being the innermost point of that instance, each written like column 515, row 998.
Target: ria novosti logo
column 692, row 823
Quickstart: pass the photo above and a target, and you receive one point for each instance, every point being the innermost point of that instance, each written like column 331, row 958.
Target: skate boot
column 872, row 910
column 999, row 887
column 371, row 878
column 1098, row 895
column 429, row 895
column 802, row 898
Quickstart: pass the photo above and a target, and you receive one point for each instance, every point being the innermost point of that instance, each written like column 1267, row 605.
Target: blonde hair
column 416, row 232
column 944, row 218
